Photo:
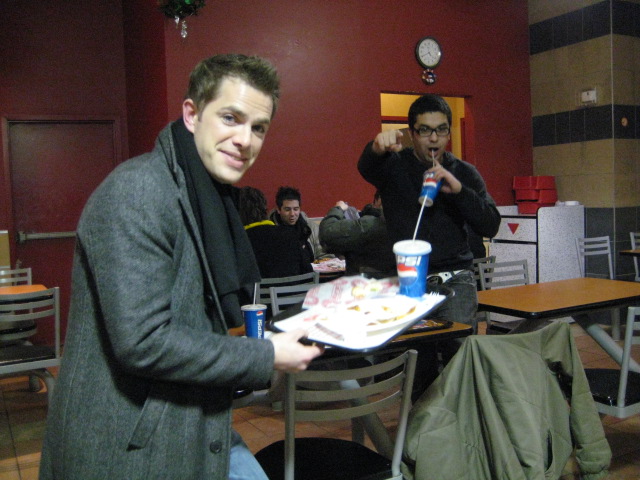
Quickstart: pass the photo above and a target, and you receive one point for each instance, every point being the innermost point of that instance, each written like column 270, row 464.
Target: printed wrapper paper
column 364, row 324
column 346, row 290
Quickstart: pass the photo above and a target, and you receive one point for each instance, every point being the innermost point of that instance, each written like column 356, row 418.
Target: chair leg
column 46, row 377
column 357, row 431
column 626, row 355
column 615, row 324
column 34, row 383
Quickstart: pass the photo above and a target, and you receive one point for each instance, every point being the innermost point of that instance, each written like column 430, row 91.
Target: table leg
column 373, row 425
column 604, row 340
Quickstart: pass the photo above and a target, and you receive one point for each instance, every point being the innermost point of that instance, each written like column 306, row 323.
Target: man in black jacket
column 288, row 214
column 277, row 249
column 463, row 199
column 463, row 202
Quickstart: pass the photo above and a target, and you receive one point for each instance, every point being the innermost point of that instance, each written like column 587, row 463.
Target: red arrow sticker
column 513, row 227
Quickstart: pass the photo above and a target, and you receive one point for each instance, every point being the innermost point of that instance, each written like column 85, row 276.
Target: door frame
column 6, row 198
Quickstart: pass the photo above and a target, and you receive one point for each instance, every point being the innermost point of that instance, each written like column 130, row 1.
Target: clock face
column 428, row 52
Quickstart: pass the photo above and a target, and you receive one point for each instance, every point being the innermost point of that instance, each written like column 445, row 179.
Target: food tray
column 348, row 326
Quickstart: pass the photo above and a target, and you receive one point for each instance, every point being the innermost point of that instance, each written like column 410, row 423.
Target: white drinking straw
column 418, row 223
column 255, row 292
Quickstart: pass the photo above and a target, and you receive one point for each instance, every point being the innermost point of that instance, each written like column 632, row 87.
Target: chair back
column 617, row 392
column 264, row 295
column 288, row 295
column 38, row 306
column 340, row 394
column 587, row 247
column 476, row 266
column 503, row 274
column 16, row 276
column 635, row 243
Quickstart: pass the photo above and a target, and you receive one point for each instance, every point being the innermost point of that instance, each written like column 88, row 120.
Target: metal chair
column 599, row 246
column 364, row 391
column 508, row 406
column 587, row 247
column 617, row 392
column 502, row 274
column 635, row 243
column 273, row 394
column 17, row 332
column 264, row 296
column 288, row 295
column 24, row 358
column 16, row 276
column 480, row 316
column 278, row 296
column 476, row 267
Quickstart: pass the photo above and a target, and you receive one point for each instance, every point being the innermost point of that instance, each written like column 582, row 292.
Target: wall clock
column 428, row 52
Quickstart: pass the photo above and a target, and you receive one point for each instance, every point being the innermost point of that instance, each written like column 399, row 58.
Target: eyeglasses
column 441, row 131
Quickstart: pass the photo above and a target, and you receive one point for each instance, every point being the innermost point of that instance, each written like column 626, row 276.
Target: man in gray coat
column 161, row 267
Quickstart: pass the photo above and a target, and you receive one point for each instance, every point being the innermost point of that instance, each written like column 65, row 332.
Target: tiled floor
column 22, row 419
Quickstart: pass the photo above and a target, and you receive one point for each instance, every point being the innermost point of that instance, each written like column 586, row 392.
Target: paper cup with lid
column 412, row 260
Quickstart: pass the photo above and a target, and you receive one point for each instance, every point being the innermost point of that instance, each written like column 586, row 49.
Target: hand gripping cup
column 430, row 188
column 412, row 259
column 254, row 316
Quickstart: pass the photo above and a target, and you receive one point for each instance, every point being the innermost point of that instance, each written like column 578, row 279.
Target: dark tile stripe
column 617, row 16
column 585, row 124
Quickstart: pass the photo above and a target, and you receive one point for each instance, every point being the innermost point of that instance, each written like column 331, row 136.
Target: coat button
column 215, row 447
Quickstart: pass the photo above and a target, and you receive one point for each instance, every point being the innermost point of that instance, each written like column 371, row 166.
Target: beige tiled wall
column 627, row 173
column 559, row 75
column 603, row 173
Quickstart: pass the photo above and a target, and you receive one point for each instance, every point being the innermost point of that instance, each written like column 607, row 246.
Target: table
column 575, row 297
column 18, row 289
column 17, row 331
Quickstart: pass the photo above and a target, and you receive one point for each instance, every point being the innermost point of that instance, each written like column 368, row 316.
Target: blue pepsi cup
column 412, row 260
column 254, row 316
column 430, row 188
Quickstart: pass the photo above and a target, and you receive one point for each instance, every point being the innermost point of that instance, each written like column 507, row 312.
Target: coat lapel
column 165, row 141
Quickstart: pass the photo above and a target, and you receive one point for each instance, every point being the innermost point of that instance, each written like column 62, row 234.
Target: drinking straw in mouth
column 418, row 222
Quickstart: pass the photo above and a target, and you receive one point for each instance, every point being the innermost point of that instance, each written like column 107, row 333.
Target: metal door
column 54, row 165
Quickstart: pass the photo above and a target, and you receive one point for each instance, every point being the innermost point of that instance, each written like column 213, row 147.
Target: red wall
column 146, row 73
column 335, row 58
column 61, row 58
column 110, row 58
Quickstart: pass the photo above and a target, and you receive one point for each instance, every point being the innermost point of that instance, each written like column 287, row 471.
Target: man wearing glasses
column 397, row 172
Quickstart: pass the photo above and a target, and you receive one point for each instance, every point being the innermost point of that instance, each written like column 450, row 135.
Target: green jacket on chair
column 508, row 407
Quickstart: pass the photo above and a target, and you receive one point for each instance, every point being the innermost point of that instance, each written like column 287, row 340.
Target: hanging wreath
column 179, row 9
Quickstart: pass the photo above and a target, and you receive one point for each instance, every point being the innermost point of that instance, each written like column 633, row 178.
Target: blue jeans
column 463, row 305
column 243, row 465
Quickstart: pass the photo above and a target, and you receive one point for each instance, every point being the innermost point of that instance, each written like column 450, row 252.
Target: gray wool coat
column 144, row 390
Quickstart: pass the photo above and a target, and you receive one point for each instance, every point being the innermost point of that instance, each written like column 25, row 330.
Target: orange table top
column 17, row 289
column 633, row 253
column 559, row 298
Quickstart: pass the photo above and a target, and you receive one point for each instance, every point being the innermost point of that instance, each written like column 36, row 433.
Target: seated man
column 276, row 249
column 288, row 214
column 361, row 238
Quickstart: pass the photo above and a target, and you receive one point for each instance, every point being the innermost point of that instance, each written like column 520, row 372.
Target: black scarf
column 229, row 254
